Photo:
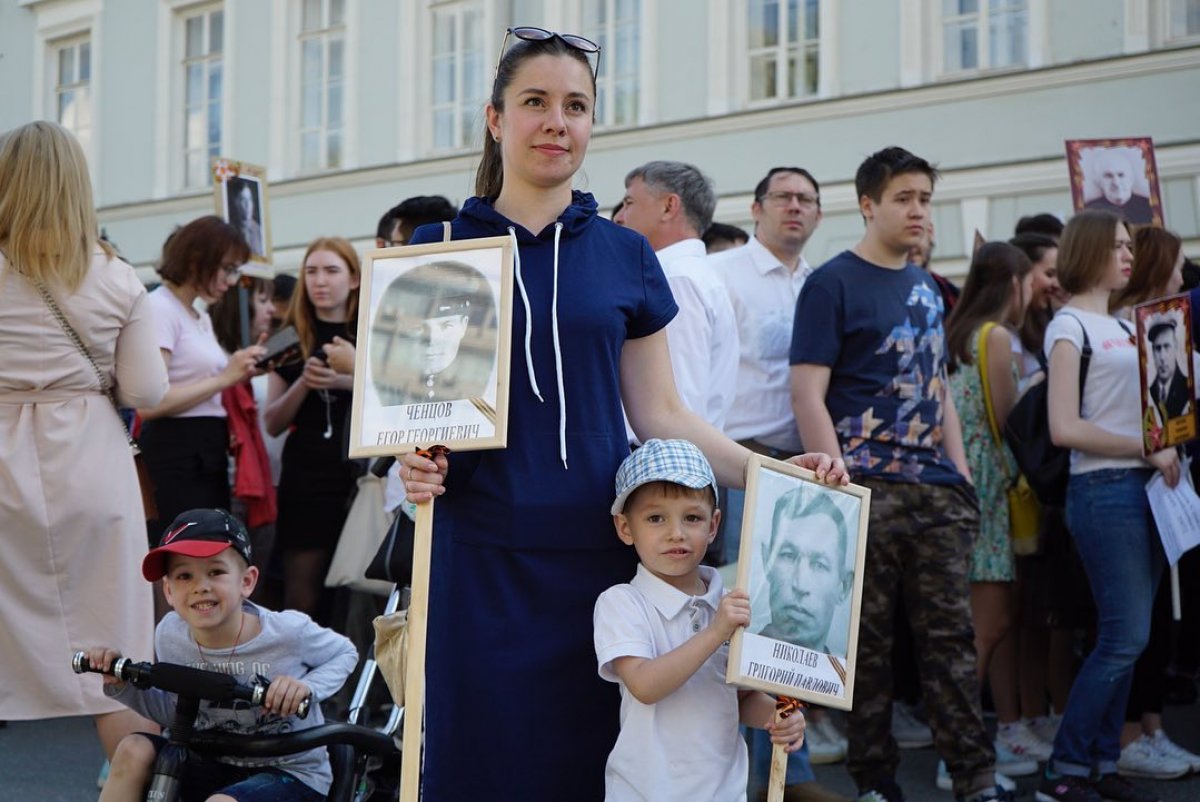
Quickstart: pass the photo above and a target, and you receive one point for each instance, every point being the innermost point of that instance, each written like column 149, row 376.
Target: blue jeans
column 1109, row 517
column 798, row 768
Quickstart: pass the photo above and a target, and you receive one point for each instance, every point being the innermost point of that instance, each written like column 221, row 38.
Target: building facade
column 353, row 105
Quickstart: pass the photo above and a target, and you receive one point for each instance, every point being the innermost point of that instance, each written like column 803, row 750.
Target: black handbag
column 1027, row 432
column 393, row 562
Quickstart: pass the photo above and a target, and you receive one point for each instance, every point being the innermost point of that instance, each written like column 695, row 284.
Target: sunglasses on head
column 531, row 34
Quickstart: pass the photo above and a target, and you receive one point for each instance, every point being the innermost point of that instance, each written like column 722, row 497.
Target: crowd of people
column 655, row 352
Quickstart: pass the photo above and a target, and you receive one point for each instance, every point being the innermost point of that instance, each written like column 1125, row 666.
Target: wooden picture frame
column 1119, row 175
column 240, row 194
column 434, row 340
column 804, row 546
column 1164, row 340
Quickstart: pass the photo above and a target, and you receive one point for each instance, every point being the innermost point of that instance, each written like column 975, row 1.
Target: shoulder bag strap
column 75, row 339
column 985, row 380
column 1085, row 357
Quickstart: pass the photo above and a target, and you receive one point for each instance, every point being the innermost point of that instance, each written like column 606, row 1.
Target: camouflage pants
column 919, row 545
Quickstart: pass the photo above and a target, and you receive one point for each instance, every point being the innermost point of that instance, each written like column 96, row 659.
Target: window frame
column 1171, row 38
column 463, row 138
column 56, row 48
column 298, row 37
column 641, row 76
column 181, row 62
column 938, row 25
column 782, row 47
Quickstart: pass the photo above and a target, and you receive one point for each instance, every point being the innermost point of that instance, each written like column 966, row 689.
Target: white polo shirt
column 686, row 747
column 703, row 337
column 763, row 293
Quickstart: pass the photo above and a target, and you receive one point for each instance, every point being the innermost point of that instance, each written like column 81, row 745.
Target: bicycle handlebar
column 185, row 681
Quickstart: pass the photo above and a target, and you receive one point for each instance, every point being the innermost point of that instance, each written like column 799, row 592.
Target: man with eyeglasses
column 399, row 222
column 764, row 278
column 670, row 204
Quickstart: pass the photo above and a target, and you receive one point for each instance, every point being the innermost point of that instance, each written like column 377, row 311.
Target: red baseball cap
column 197, row 533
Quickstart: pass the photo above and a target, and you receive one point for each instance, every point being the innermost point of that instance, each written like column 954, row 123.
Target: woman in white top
column 185, row 437
column 1107, row 510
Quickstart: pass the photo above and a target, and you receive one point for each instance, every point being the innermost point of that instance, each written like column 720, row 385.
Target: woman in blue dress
column 523, row 539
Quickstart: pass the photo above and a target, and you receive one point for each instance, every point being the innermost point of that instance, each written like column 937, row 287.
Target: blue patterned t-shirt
column 880, row 332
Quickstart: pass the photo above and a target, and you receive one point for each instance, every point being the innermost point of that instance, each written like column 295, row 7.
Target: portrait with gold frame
column 433, row 350
column 801, row 562
column 240, row 194
column 1117, row 175
column 1165, row 362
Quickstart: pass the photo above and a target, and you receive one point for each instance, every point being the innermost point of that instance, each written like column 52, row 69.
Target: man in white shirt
column 671, row 204
column 763, row 278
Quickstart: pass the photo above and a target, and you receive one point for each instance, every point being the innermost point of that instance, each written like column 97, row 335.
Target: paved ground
column 57, row 761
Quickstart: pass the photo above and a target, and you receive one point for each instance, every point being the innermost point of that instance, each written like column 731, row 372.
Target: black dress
column 317, row 477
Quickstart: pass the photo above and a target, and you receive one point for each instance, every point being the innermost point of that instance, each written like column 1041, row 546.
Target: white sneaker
column 1021, row 741
column 946, row 783
column 1142, row 758
column 1011, row 763
column 825, row 744
column 1172, row 749
column 1044, row 727
column 908, row 730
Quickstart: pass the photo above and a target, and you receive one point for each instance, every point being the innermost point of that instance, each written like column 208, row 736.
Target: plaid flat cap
column 676, row 461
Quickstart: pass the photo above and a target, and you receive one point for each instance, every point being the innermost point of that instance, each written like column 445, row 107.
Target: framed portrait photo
column 434, row 333
column 1118, row 175
column 804, row 544
column 240, row 193
column 1165, row 365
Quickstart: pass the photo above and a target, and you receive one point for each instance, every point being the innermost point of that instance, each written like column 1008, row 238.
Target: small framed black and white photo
column 434, row 335
column 801, row 561
column 240, row 192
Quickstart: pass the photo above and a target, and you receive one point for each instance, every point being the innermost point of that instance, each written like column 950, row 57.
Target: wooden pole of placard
column 784, row 706
column 414, row 677
column 778, row 771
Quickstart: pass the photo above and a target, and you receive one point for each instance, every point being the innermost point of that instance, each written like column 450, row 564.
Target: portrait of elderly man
column 433, row 336
column 807, row 570
column 1115, row 172
column 1169, row 389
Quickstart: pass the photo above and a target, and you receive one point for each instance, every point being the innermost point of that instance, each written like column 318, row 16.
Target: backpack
column 1027, row 431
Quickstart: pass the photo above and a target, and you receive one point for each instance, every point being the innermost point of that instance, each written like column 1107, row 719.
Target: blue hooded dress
column 523, row 539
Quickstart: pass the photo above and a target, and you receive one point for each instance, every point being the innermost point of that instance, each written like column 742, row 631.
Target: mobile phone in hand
column 282, row 347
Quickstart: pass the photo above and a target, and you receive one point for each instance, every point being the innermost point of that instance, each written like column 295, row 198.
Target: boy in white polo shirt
column 664, row 639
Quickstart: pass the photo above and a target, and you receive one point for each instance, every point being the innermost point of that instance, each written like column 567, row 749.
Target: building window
column 615, row 25
column 984, row 34
column 72, row 88
column 459, row 73
column 203, row 80
column 1185, row 19
column 322, row 84
column 783, row 48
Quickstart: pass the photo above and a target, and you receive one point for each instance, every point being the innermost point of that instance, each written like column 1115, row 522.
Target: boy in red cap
column 205, row 564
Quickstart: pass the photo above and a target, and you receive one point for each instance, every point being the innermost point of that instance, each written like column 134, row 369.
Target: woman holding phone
column 185, row 437
column 313, row 401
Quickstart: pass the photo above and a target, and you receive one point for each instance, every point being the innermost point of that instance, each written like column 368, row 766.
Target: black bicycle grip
column 186, row 681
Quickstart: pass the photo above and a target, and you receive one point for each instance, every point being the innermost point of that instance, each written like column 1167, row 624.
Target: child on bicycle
column 664, row 639
column 204, row 563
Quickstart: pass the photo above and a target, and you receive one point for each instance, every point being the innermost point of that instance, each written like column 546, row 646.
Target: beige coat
column 71, row 520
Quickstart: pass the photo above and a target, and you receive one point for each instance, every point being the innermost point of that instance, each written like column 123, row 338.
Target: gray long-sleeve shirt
column 289, row 644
